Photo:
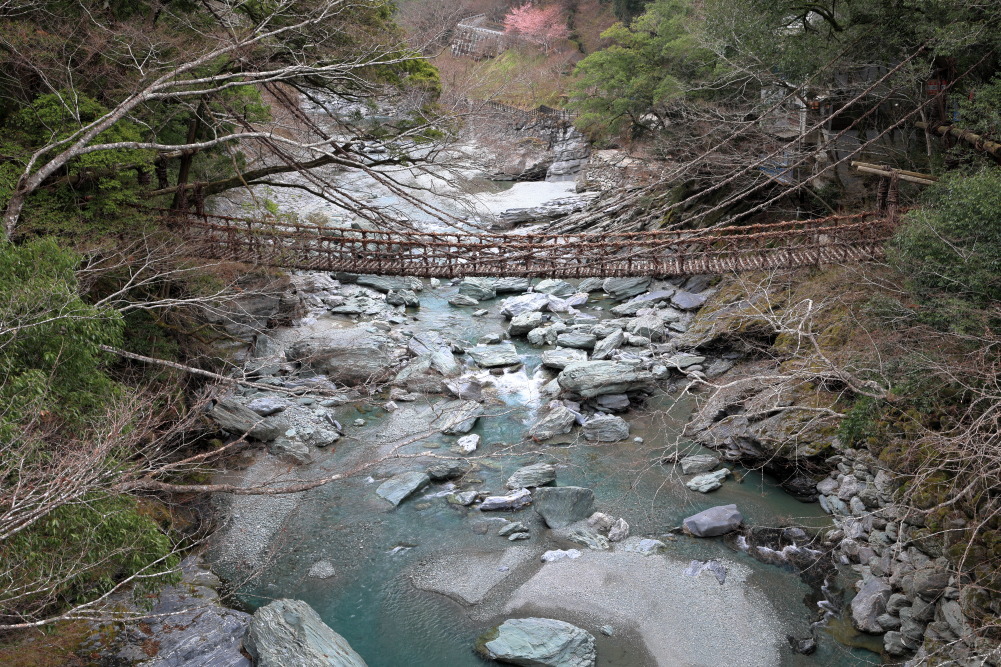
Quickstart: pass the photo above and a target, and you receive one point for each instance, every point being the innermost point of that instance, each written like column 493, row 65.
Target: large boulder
column 594, row 378
column 624, row 288
column 869, row 604
column 606, row 428
column 604, row 347
column 696, row 464
column 523, row 303
column 480, row 289
column 349, row 356
column 634, row 305
column 509, row 285
column 457, row 417
column 576, row 339
column 687, row 300
column 494, row 356
column 539, row 642
column 398, row 488
column 234, row 417
column 386, row 284
column 525, row 322
column 560, row 506
column 555, row 287
column 537, row 474
column 562, row 357
column 288, row 633
column 556, row 422
column 714, row 521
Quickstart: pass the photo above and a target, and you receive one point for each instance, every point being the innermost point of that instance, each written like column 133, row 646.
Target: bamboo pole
column 979, row 142
column 909, row 176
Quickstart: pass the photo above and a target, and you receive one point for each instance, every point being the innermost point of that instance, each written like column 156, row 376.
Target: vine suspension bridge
column 838, row 239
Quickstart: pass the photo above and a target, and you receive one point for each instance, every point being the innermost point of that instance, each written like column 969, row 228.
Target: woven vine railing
column 839, row 239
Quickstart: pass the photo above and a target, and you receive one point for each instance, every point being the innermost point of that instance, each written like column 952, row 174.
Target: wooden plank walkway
column 843, row 239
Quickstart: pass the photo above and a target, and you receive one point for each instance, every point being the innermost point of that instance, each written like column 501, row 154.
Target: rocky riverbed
column 517, row 457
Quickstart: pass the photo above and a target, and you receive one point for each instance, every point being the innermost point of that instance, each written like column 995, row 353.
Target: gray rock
column 683, row 361
column 594, row 378
column 480, row 289
column 928, row 583
column 397, row 488
column 406, row 297
column 463, row 498
column 523, row 303
column 709, row 481
column 869, row 604
column 494, row 356
column 537, row 474
column 288, row 633
column 235, row 418
column 290, row 449
column 467, row 390
column 322, row 437
column 448, row 470
column 687, row 300
column 893, row 644
column 606, row 428
column 541, row 642
column 651, row 325
column 590, row 285
column 614, row 402
column 460, row 300
column 511, row 528
column 387, row 284
column 604, row 347
column 322, row 569
column 522, row 324
column 714, row 521
column 588, row 538
column 633, row 306
column 601, row 522
column 560, row 506
column 467, row 444
column 561, row 357
column 567, row 304
column 555, row 287
column 697, row 567
column 828, row 486
column 557, row 421
column 512, row 501
column 624, row 288
column 697, row 464
column 577, row 340
column 348, row 356
column 645, row 546
column 555, row 555
column 509, row 285
column 267, row 405
column 619, row 531
column 457, row 417
column 514, row 537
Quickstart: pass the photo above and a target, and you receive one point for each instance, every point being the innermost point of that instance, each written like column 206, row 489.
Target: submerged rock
column 322, row 569
column 560, row 506
column 697, row 567
column 533, row 475
column 606, row 428
column 397, row 488
column 288, row 633
column 714, row 521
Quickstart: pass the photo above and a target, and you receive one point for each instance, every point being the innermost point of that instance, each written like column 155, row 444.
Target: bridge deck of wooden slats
column 293, row 245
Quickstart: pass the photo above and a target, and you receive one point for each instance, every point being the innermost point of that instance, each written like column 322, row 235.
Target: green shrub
column 950, row 249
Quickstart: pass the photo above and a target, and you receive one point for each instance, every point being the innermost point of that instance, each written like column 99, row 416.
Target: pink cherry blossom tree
column 543, row 25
